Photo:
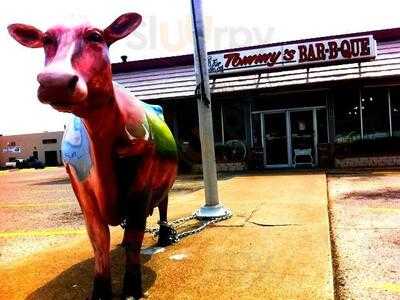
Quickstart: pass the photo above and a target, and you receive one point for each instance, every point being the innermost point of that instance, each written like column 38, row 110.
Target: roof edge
column 5, row 135
column 381, row 35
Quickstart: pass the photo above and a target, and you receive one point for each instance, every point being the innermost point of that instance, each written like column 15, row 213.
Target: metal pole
column 212, row 207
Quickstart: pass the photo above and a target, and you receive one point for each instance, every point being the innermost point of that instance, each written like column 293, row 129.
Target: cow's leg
column 163, row 210
column 166, row 233
column 133, row 239
column 99, row 235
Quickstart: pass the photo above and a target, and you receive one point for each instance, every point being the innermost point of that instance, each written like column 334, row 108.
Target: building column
column 330, row 109
column 247, row 120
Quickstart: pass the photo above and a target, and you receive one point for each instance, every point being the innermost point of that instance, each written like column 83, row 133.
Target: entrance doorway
column 289, row 137
column 303, row 138
column 275, row 139
column 50, row 158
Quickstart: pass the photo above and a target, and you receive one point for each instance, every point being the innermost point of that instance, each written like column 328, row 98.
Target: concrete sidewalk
column 276, row 246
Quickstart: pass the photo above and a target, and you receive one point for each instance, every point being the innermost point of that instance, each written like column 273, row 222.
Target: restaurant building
column 44, row 146
column 321, row 102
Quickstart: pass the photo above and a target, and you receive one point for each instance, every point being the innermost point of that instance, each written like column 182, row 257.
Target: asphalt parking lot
column 275, row 246
column 285, row 252
column 38, row 208
column 365, row 225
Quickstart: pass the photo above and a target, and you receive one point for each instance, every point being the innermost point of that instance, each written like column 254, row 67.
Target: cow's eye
column 94, row 37
column 48, row 40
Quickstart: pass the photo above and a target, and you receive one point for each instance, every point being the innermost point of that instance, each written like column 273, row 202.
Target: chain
column 176, row 223
column 180, row 222
column 204, row 225
column 151, row 230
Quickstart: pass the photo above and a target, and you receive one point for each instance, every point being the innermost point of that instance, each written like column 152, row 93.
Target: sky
column 166, row 31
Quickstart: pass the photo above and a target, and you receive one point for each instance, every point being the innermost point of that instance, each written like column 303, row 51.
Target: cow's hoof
column 133, row 284
column 145, row 296
column 167, row 235
column 101, row 289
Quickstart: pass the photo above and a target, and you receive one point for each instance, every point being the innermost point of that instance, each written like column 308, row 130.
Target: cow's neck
column 104, row 126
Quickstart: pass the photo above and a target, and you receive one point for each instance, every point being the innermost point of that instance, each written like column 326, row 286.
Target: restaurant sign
column 291, row 55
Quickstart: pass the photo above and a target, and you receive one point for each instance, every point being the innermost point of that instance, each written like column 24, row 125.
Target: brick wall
column 223, row 167
column 358, row 162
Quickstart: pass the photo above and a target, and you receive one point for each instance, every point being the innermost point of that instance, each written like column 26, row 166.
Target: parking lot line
column 43, row 232
column 384, row 209
column 387, row 286
column 53, row 204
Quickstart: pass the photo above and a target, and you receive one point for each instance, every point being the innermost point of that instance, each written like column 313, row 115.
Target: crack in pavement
column 247, row 220
column 273, row 225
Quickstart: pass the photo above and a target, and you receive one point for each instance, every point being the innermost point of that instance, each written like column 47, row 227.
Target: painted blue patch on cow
column 157, row 109
column 76, row 148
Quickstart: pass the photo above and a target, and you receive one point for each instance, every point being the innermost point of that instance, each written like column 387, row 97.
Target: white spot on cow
column 147, row 135
column 134, row 133
column 130, row 136
column 72, row 136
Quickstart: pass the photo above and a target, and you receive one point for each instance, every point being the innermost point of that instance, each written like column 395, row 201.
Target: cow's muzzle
column 60, row 89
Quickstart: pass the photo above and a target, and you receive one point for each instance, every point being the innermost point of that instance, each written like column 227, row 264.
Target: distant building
column 45, row 146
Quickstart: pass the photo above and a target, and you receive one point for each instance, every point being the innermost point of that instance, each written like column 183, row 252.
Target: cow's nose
column 57, row 80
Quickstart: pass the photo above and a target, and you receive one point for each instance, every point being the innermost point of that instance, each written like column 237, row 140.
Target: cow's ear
column 121, row 27
column 26, row 35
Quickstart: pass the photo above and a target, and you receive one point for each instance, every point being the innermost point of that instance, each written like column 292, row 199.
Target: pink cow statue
column 118, row 151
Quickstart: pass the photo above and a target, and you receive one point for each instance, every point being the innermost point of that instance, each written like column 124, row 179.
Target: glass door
column 303, row 141
column 275, row 139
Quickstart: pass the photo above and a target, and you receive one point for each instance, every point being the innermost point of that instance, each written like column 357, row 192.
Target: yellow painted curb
column 384, row 209
column 44, row 233
column 18, row 205
column 388, row 286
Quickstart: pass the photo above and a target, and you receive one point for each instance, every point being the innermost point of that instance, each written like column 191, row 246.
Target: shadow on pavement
column 76, row 282
column 379, row 194
column 54, row 181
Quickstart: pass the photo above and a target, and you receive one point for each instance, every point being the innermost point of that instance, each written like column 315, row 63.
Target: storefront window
column 395, row 108
column 347, row 115
column 375, row 113
column 234, row 127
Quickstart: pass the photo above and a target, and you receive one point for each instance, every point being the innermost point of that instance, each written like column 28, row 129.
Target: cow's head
column 77, row 75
